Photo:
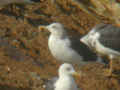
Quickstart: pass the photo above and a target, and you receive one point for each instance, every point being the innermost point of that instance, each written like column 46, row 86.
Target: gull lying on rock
column 65, row 81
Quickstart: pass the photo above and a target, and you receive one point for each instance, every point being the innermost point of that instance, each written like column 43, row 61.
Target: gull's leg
column 111, row 67
column 109, row 71
column 1, row 8
column 14, row 8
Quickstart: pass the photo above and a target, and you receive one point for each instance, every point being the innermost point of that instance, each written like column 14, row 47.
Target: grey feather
column 50, row 84
column 110, row 37
column 83, row 50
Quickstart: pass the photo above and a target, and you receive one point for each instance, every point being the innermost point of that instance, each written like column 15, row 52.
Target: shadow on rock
column 6, row 87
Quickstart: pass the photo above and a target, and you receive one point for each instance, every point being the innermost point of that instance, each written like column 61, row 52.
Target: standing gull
column 65, row 81
column 65, row 48
column 104, row 39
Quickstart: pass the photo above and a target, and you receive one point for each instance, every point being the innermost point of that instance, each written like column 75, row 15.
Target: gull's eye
column 90, row 33
column 68, row 69
column 53, row 26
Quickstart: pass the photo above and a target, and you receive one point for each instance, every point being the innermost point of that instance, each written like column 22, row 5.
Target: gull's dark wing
column 110, row 37
column 99, row 27
column 50, row 83
column 82, row 50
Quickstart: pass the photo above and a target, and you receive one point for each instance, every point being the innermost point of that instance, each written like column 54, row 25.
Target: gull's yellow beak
column 76, row 74
column 42, row 27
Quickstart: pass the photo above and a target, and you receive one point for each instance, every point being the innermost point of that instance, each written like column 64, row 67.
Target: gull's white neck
column 65, row 82
column 59, row 35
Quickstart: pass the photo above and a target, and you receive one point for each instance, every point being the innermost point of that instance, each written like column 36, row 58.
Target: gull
column 67, row 49
column 65, row 81
column 104, row 39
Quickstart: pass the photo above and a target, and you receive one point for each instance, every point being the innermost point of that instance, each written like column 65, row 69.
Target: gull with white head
column 104, row 39
column 67, row 49
column 65, row 81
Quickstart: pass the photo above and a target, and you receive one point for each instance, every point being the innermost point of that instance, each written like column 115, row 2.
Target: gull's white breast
column 66, row 83
column 60, row 49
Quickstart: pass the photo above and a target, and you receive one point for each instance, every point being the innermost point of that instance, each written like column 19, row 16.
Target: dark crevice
column 37, row 22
